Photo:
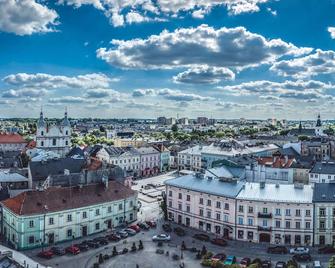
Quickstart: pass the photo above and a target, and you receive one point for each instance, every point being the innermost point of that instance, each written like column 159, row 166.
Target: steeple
column 300, row 127
column 66, row 122
column 41, row 122
column 318, row 122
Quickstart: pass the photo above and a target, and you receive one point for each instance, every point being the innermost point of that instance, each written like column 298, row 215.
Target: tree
column 302, row 138
column 174, row 128
column 331, row 262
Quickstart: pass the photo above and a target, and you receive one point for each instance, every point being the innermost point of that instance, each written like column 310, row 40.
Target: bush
column 206, row 262
column 208, row 255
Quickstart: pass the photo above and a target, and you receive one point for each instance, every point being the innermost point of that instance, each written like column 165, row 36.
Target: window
column 201, row 201
column 297, row 212
column 308, row 213
column 188, row 197
column 218, row 216
column 218, row 204
column 225, row 218
column 66, row 143
column 288, row 212
column 42, row 133
column 209, row 202
column 277, row 224
column 322, row 225
column 180, row 196
column 120, row 206
column 278, row 212
column 201, row 212
column 240, row 220
column 42, row 143
column 97, row 212
column 67, row 132
column 240, row 208
column 322, row 212
column 265, row 223
column 226, row 206
column 69, row 217
column 109, row 209
column 170, row 204
column 297, row 225
column 209, row 214
column 250, row 210
column 250, row 222
column 97, row 226
column 308, row 225
column 180, row 207
column 265, row 210
column 188, row 209
column 84, row 214
column 51, row 221
column 31, row 239
column 69, row 233
column 31, row 224
column 240, row 234
column 54, row 141
column 288, row 224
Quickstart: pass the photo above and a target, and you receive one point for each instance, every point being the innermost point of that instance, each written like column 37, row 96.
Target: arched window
column 42, row 133
column 67, row 132
column 42, row 143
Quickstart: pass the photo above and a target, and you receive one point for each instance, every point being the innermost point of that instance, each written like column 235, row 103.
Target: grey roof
column 209, row 186
column 288, row 151
column 40, row 170
column 323, row 168
column 276, row 193
column 303, row 132
column 226, row 172
column 11, row 177
column 324, row 192
column 147, row 150
column 76, row 151
column 117, row 151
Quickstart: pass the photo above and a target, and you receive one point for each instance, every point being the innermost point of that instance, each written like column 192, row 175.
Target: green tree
column 174, row 128
column 331, row 262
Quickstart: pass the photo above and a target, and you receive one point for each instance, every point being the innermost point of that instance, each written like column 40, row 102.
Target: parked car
column 317, row 264
column 143, row 226
column 167, row 227
column 113, row 237
column 299, row 250
column 152, row 224
column 219, row 242
column 72, row 250
column 266, row 264
column 58, row 251
column 219, row 257
column 179, row 231
column 230, row 260
column 92, row 243
column 303, row 257
column 135, row 228
column 281, row 264
column 245, row 262
column 277, row 250
column 82, row 246
column 161, row 237
column 46, row 254
column 326, row 250
column 130, row 231
column 122, row 233
column 201, row 237
column 101, row 240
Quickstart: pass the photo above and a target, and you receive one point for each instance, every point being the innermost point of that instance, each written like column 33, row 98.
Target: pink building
column 150, row 161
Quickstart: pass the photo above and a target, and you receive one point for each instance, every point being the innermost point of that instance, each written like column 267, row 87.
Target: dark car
column 92, row 243
column 219, row 242
column 101, row 240
column 201, row 237
column 281, row 264
column 302, row 257
column 114, row 237
column 266, row 264
column 46, row 254
column 179, row 231
column 245, row 262
column 219, row 257
column 82, row 246
column 58, row 251
column 152, row 224
column 72, row 250
column 143, row 226
column 326, row 250
column 277, row 250
column 167, row 227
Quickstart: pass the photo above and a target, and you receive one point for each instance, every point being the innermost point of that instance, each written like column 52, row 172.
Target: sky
column 254, row 59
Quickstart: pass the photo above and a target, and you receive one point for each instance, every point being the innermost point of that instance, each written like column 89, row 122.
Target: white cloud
column 93, row 80
column 23, row 93
column 203, row 45
column 331, row 30
column 135, row 17
column 25, row 17
column 204, row 75
column 320, row 62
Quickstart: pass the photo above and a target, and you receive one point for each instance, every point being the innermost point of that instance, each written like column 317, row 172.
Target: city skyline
column 143, row 59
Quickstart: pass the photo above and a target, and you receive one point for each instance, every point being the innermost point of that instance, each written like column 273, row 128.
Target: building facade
column 190, row 159
column 56, row 138
column 150, row 161
column 322, row 172
column 12, row 142
column 44, row 218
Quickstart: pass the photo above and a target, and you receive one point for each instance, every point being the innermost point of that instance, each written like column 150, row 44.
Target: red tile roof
column 64, row 198
column 11, row 138
column 276, row 162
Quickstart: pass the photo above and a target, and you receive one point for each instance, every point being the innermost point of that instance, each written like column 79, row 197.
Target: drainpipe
column 235, row 225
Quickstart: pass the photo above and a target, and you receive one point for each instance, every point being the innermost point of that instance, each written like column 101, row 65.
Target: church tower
column 318, row 126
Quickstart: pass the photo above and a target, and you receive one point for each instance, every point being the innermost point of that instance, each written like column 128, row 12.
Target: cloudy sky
column 148, row 58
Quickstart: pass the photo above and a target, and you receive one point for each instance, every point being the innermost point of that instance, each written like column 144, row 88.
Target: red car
column 46, row 254
column 152, row 224
column 135, row 228
column 219, row 242
column 72, row 250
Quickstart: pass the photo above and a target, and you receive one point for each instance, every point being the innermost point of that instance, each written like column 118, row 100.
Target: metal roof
column 324, row 192
column 323, row 168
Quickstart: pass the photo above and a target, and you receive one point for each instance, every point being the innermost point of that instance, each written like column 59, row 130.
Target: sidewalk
column 22, row 259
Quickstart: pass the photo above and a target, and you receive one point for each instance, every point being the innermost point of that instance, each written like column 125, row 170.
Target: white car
column 299, row 250
column 161, row 237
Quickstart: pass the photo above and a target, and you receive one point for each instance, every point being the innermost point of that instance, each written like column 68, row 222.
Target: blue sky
column 148, row 58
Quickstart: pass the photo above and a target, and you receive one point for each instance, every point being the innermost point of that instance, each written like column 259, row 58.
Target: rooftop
column 276, row 193
column 6, row 138
column 55, row 199
column 209, row 186
column 323, row 168
column 324, row 192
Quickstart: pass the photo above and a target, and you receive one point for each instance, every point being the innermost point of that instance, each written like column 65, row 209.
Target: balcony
column 264, row 229
column 264, row 215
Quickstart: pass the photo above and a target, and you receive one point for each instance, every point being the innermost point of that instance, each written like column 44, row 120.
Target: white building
column 190, row 159
column 56, row 138
column 322, row 172
column 278, row 214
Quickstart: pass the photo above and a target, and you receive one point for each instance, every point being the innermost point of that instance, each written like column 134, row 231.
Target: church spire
column 66, row 122
column 41, row 122
column 318, row 122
